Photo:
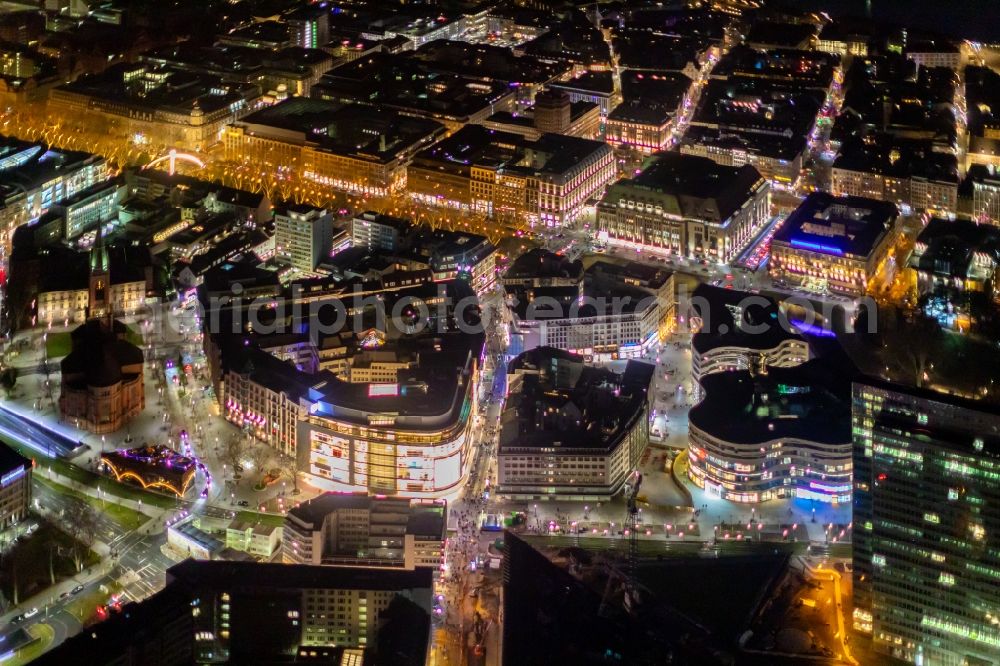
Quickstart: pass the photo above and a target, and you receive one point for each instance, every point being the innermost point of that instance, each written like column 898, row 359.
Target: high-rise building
column 303, row 235
column 927, row 524
column 309, row 27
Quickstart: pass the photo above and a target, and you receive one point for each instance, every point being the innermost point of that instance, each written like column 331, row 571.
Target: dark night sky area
column 976, row 19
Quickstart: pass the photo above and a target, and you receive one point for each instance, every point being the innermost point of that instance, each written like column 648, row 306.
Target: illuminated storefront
column 388, row 452
column 756, row 438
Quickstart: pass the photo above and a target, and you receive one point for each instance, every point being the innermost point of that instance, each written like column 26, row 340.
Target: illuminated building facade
column 361, row 531
column 570, row 431
column 686, row 205
column 639, row 126
column 303, row 234
column 152, row 467
column 786, row 433
column 402, row 428
column 33, row 178
column 935, row 193
column 985, row 193
column 927, row 524
column 110, row 284
column 409, row 438
column 740, row 331
column 502, row 175
column 355, row 148
column 249, row 610
column 140, row 103
column 835, row 243
column 102, row 378
column 448, row 254
column 15, row 486
column 608, row 313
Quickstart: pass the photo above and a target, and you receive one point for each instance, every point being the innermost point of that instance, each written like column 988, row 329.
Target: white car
column 31, row 613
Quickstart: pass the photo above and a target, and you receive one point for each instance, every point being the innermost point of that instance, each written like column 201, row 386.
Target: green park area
column 128, row 518
column 58, row 344
column 44, row 635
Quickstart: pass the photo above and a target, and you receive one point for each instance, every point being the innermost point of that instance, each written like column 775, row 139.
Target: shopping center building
column 783, row 433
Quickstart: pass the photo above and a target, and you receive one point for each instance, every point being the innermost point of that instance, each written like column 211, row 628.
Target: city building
column 354, row 148
column 280, row 72
column 259, row 539
column 361, row 531
column 926, row 492
column 639, row 126
column 15, row 486
column 570, row 431
column 116, row 281
column 954, row 260
column 607, row 313
column 553, row 112
column 34, row 177
column 835, row 243
column 154, row 467
column 763, row 120
column 248, row 612
column 145, row 103
column 845, row 37
column 447, row 254
column 505, row 176
column 982, row 108
column 909, row 174
column 594, row 87
column 303, row 235
column 102, row 385
column 395, row 418
column 739, row 331
column 785, row 432
column 934, row 53
column 681, row 204
column 985, row 193
column 417, row 88
column 309, row 27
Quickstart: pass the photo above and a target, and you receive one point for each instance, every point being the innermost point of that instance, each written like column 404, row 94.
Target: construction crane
column 615, row 575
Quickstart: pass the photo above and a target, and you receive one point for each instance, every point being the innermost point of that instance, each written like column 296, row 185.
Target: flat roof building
column 355, row 530
column 15, row 486
column 926, row 520
column 686, row 205
column 353, row 148
column 783, row 433
column 503, row 175
column 569, row 430
column 835, row 243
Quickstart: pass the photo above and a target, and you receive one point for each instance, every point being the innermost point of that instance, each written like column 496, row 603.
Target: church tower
column 100, row 279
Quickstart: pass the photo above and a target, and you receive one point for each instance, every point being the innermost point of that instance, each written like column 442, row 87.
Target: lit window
column 932, row 518
column 946, row 579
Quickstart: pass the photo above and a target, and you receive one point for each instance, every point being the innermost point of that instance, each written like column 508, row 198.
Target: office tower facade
column 303, row 235
column 927, row 525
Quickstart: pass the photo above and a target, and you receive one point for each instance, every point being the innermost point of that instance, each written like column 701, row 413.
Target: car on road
column 243, row 503
column 30, row 613
column 77, row 590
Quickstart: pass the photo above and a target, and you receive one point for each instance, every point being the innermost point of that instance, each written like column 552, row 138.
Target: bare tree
column 81, row 524
column 232, row 452
column 259, row 455
column 289, row 467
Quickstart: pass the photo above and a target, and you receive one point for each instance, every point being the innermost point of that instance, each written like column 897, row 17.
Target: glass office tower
column 927, row 525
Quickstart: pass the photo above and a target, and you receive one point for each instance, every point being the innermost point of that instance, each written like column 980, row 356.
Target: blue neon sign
column 817, row 247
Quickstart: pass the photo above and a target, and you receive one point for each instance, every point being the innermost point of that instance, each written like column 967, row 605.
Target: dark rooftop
column 823, row 223
column 810, row 402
